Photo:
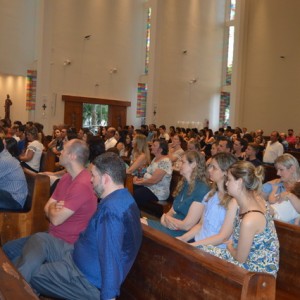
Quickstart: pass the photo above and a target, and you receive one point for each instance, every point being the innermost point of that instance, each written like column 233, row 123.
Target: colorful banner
column 31, row 89
column 141, row 100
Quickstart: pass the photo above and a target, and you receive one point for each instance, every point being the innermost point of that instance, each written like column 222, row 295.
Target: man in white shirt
column 110, row 138
column 273, row 149
column 163, row 133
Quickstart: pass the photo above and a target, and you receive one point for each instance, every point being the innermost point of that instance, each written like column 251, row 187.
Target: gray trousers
column 47, row 264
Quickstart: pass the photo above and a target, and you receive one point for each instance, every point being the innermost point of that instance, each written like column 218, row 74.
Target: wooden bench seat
column 47, row 163
column 16, row 224
column 157, row 208
column 12, row 284
column 167, row 268
column 288, row 277
column 270, row 173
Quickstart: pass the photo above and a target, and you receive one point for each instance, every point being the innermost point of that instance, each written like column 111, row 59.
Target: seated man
column 225, row 145
column 273, row 149
column 73, row 202
column 13, row 185
column 99, row 261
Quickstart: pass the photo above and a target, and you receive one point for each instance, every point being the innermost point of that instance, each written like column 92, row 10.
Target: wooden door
column 73, row 114
column 117, row 116
column 74, row 108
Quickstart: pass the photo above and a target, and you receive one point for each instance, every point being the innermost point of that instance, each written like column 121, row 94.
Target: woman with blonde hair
column 140, row 156
column 277, row 191
column 31, row 159
column 189, row 193
column 255, row 245
column 217, row 210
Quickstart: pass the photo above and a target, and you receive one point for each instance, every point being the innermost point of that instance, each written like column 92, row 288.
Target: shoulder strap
column 249, row 211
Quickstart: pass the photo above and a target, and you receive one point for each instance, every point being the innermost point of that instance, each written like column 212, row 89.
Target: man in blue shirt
column 13, row 185
column 96, row 266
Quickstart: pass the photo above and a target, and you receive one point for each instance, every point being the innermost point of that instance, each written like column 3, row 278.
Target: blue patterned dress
column 264, row 251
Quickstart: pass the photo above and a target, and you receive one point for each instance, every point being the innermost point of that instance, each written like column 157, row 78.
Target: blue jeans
column 13, row 249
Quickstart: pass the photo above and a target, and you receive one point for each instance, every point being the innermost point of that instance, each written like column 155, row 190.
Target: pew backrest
column 288, row 277
column 167, row 268
column 16, row 224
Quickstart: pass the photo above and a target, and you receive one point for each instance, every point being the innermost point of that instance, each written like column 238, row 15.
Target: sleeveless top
column 264, row 252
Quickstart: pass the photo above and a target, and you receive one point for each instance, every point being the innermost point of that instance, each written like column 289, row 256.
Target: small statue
column 8, row 104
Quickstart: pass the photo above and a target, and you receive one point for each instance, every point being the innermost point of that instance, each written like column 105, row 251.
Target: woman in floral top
column 255, row 245
column 155, row 185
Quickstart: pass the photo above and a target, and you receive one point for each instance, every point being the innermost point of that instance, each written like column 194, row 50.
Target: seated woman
column 218, row 208
column 277, row 191
column 175, row 151
column 155, row 185
column 140, row 156
column 57, row 144
column 31, row 159
column 295, row 193
column 255, row 245
column 189, row 193
column 239, row 147
column 297, row 144
column 213, row 151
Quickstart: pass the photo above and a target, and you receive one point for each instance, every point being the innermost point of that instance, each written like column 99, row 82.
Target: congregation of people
column 222, row 204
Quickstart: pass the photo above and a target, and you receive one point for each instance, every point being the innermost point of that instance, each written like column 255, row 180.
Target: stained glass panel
column 148, row 31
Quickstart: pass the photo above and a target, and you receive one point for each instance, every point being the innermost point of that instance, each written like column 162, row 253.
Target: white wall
column 17, row 33
column 117, row 35
column 271, row 90
column 198, row 28
column 17, row 48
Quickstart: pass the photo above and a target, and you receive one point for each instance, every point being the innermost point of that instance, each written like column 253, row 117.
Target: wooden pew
column 47, row 163
column 157, row 208
column 288, row 277
column 167, row 268
column 270, row 173
column 16, row 224
column 296, row 154
column 12, row 284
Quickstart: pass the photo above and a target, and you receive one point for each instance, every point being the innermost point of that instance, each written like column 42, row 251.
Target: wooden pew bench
column 47, row 163
column 157, row 208
column 288, row 277
column 270, row 173
column 167, row 268
column 12, row 284
column 21, row 223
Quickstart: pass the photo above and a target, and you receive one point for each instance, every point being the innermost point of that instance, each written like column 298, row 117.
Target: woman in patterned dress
column 155, row 185
column 255, row 245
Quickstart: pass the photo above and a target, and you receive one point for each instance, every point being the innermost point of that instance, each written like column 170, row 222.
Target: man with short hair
column 73, row 202
column 251, row 152
column 110, row 138
column 273, row 149
column 151, row 133
column 98, row 263
column 291, row 139
column 13, row 185
column 163, row 133
column 224, row 145
column 283, row 141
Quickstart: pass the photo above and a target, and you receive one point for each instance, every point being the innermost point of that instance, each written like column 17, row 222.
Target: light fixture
column 67, row 62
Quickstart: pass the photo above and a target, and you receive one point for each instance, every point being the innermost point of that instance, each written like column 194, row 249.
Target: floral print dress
column 264, row 251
